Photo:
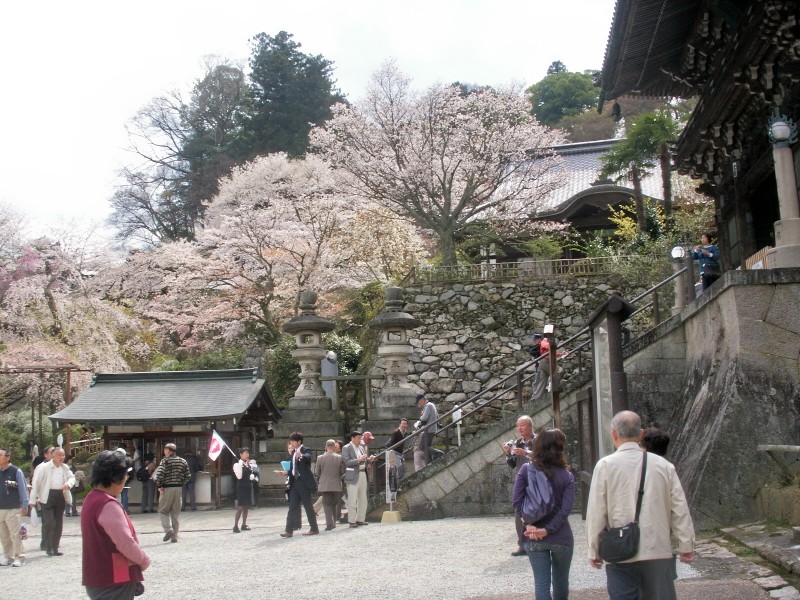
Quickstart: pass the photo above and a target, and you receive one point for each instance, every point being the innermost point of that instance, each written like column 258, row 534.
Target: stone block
column 446, row 481
column 461, row 471
column 770, row 583
column 785, row 593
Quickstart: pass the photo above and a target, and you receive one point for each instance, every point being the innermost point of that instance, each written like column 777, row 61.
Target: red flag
column 215, row 446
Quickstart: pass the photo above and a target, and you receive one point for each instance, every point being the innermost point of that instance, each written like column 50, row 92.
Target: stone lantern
column 394, row 352
column 308, row 328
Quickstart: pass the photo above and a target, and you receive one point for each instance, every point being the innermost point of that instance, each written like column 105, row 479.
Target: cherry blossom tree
column 52, row 315
column 440, row 158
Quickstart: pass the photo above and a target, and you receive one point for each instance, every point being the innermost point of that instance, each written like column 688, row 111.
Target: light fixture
column 782, row 130
column 549, row 328
column 678, row 252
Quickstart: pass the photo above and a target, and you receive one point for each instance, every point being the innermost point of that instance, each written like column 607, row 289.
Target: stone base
column 783, row 257
column 391, row 516
column 310, row 403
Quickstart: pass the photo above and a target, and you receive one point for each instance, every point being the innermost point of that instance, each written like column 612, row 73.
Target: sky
column 75, row 73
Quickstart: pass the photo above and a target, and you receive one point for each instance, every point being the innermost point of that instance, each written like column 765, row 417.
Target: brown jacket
column 329, row 470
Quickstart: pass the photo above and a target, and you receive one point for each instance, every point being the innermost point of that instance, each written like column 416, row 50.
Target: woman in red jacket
column 113, row 561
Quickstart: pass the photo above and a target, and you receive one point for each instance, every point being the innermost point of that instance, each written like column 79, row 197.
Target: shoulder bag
column 621, row 543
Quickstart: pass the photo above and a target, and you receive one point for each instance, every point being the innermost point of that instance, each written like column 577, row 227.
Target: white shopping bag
column 34, row 517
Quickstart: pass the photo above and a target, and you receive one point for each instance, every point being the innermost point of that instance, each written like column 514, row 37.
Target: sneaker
column 174, row 539
column 4, row 562
column 245, row 527
column 519, row 552
column 17, row 563
column 235, row 529
column 168, row 536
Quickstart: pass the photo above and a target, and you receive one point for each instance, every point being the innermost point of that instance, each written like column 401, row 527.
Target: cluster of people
column 548, row 541
column 340, row 470
column 50, row 493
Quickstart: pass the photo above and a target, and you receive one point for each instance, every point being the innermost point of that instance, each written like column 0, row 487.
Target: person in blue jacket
column 707, row 254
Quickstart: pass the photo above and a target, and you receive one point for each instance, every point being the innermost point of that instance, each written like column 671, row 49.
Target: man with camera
column 518, row 452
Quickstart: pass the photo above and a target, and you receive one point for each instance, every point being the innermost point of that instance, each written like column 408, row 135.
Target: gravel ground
column 447, row 559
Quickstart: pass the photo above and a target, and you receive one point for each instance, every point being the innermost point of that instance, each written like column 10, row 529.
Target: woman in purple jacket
column 551, row 543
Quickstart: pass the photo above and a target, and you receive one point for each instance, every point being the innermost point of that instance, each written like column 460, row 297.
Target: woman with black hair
column 244, row 489
column 113, row 561
column 550, row 538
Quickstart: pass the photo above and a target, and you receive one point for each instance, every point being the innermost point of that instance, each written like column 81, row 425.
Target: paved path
column 448, row 559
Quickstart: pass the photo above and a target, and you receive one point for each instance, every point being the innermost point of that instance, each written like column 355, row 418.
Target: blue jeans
column 550, row 562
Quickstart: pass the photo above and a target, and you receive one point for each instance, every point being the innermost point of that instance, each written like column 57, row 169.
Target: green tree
column 289, row 93
column 647, row 141
column 557, row 67
column 182, row 148
column 650, row 135
column 562, row 94
column 623, row 162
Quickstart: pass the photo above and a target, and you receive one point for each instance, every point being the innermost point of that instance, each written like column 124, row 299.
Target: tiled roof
column 168, row 396
column 581, row 164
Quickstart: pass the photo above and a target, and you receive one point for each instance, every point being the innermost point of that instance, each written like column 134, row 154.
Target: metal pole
column 551, row 337
column 67, row 401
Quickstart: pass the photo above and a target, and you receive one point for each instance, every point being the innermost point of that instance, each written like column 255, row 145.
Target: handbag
column 621, row 543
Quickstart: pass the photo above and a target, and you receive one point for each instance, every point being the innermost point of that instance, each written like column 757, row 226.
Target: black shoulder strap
column 641, row 488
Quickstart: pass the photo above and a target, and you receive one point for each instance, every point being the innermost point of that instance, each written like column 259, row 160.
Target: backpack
column 539, row 500
column 142, row 474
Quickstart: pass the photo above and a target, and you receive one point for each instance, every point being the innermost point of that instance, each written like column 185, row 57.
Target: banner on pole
column 216, row 445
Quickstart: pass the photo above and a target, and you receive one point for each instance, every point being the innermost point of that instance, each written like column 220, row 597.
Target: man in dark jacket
column 301, row 485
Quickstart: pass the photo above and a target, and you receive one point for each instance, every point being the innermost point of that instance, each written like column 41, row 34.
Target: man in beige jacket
column 51, row 481
column 664, row 515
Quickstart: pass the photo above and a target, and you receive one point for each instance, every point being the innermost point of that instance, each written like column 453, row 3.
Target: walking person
column 550, row 542
column 13, row 506
column 518, row 452
column 113, row 561
column 329, row 469
column 50, row 481
column 301, row 486
column 664, row 515
column 170, row 476
column 244, row 489
column 427, row 420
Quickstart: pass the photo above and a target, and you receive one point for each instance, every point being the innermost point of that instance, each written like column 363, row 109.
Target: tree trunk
column 447, row 247
column 666, row 179
column 641, row 219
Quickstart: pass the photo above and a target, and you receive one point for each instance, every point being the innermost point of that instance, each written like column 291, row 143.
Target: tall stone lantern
column 308, row 328
column 394, row 352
